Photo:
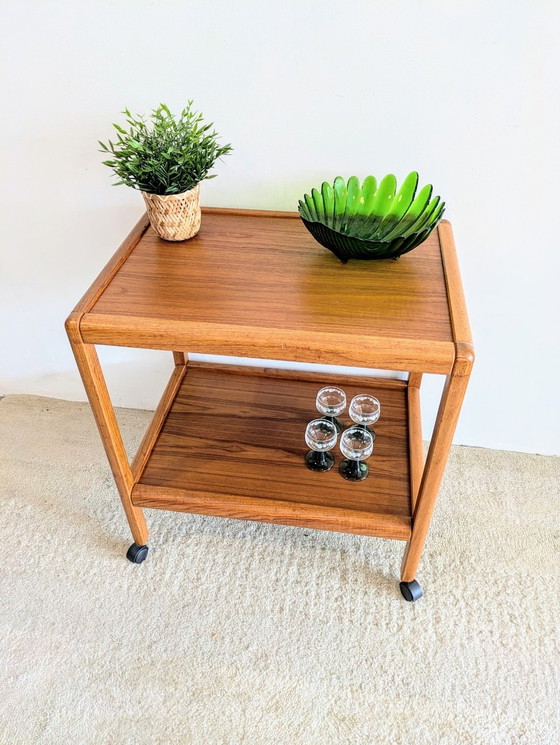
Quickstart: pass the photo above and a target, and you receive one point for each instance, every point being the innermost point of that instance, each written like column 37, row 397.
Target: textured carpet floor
column 235, row 632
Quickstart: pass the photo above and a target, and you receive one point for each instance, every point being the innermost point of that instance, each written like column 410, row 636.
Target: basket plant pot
column 174, row 217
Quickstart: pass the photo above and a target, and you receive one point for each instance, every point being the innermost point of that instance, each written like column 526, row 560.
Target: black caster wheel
column 411, row 591
column 136, row 554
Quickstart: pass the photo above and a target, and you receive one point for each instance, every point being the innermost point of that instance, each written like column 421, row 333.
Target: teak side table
column 228, row 440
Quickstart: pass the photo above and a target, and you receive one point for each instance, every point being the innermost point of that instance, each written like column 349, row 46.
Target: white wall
column 464, row 92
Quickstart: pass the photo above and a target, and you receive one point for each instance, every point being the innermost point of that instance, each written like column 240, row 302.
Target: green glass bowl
column 371, row 221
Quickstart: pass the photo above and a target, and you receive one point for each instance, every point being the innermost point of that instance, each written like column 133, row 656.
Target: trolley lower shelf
column 228, row 441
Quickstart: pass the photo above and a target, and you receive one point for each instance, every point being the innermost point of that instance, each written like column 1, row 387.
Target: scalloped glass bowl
column 372, row 221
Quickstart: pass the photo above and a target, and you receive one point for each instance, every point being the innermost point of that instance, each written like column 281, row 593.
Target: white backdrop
column 463, row 92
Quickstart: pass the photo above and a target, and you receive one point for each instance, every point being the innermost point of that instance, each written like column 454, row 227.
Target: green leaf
column 164, row 154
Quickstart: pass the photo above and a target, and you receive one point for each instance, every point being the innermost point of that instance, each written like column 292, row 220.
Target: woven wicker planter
column 174, row 217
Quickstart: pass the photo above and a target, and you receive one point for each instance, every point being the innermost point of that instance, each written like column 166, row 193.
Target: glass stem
column 321, row 459
column 335, row 420
column 354, row 469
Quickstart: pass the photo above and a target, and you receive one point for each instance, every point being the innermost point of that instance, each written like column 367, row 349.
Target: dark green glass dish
column 371, row 221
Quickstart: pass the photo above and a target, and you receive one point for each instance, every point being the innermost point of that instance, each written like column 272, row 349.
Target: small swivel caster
column 411, row 591
column 136, row 554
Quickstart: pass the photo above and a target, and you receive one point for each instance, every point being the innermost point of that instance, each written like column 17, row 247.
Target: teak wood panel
column 276, row 344
column 103, row 279
column 242, row 435
column 299, row 514
column 267, row 272
column 457, row 306
column 318, row 377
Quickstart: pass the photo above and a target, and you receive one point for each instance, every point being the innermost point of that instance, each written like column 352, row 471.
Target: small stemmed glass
column 364, row 410
column 330, row 402
column 356, row 444
column 320, row 436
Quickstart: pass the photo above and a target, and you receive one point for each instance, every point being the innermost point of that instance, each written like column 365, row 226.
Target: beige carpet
column 235, row 632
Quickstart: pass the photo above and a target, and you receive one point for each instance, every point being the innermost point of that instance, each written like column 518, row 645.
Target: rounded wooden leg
column 411, row 591
column 136, row 554
column 448, row 413
column 98, row 395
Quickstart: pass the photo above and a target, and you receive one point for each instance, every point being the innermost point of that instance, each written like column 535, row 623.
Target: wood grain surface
column 283, row 512
column 264, row 275
column 240, row 435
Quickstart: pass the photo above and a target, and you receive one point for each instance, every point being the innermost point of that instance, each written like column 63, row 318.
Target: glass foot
column 319, row 461
column 353, row 470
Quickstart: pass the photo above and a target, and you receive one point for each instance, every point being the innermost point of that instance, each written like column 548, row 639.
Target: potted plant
column 166, row 158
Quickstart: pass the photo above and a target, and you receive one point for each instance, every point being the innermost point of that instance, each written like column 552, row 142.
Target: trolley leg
column 98, row 395
column 180, row 358
column 448, row 415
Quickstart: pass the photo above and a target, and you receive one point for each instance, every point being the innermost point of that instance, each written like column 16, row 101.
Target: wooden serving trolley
column 228, row 440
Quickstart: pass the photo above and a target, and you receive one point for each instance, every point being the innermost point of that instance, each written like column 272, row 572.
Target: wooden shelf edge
column 273, row 511
column 248, row 212
column 464, row 349
column 146, row 446
column 291, row 374
column 271, row 343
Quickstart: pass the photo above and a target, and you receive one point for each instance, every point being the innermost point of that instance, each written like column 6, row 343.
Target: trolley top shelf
column 257, row 284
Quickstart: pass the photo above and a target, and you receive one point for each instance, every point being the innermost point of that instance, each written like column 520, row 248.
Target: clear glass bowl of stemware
column 356, row 445
column 330, row 402
column 320, row 436
column 365, row 410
